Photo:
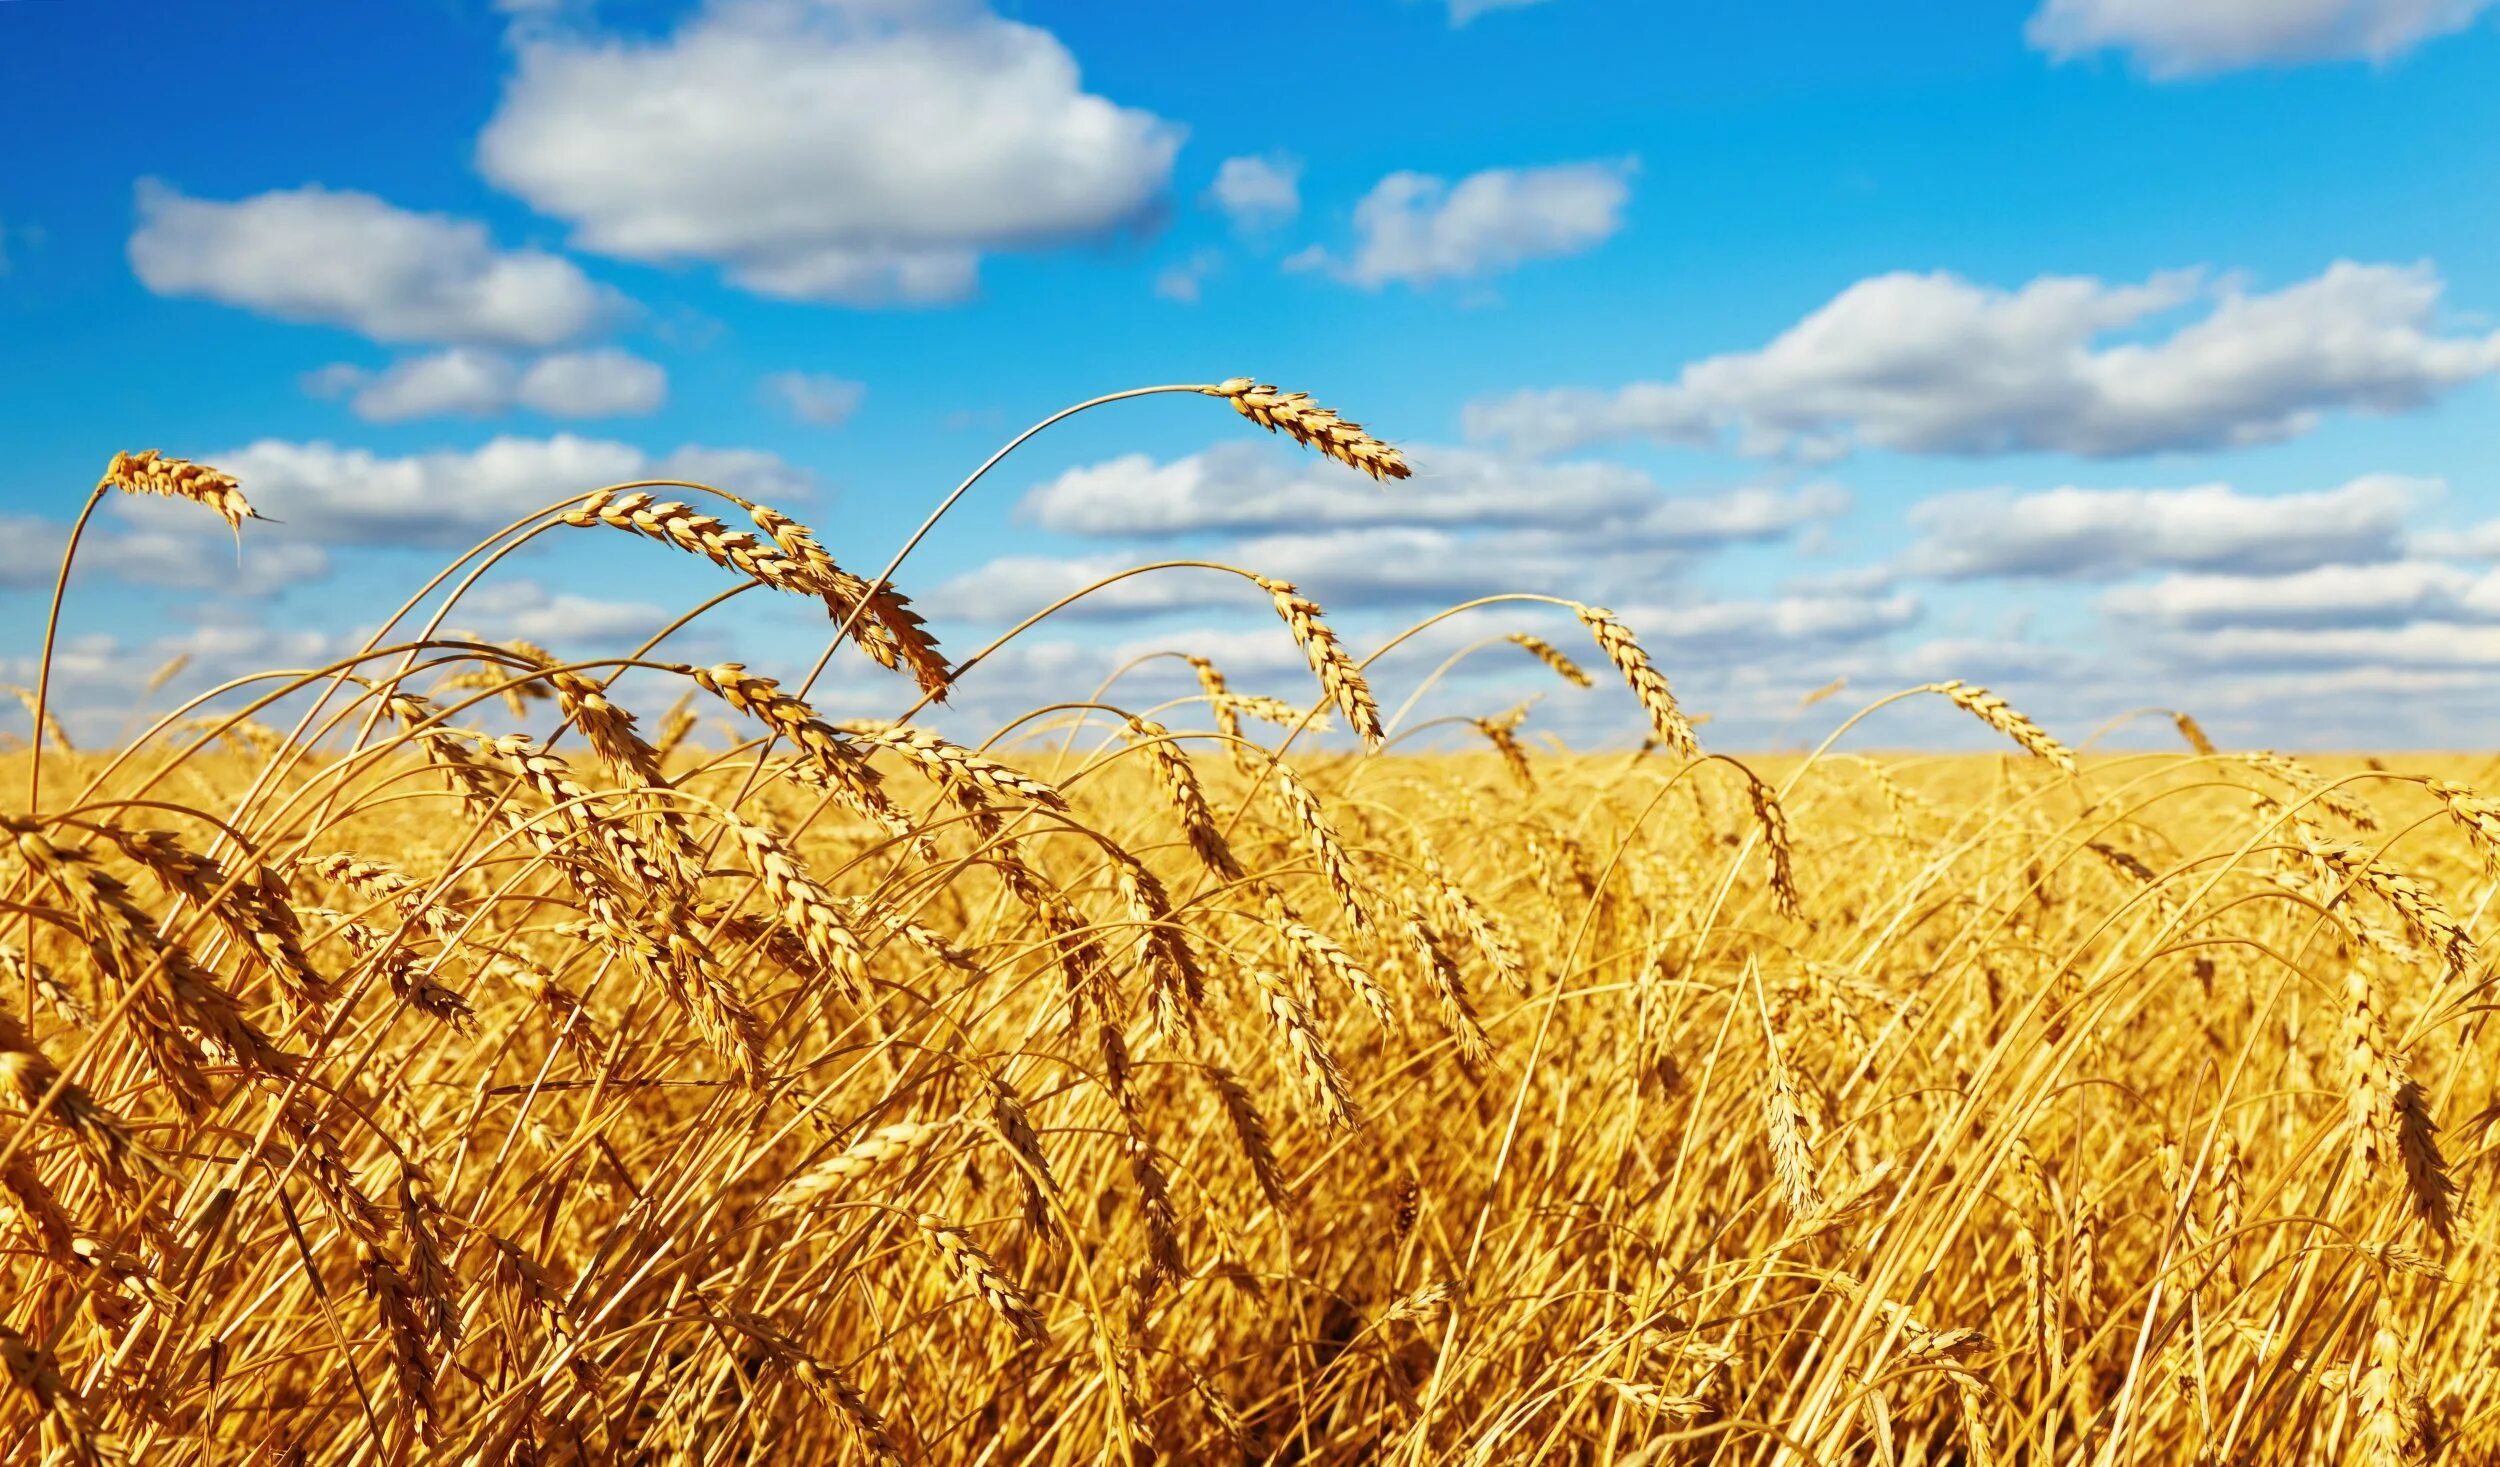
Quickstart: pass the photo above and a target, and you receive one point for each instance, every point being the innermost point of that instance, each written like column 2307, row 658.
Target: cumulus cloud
column 336, row 257
column 100, row 682
column 1426, row 551
column 1032, row 671
column 323, row 492
column 2306, row 611
column 461, row 382
column 2476, row 542
column 606, row 383
column 524, row 608
column 1382, row 565
column 1424, row 566
column 743, row 145
column 816, row 397
column 183, row 554
column 1252, row 486
column 2179, row 38
column 197, row 563
column 1420, row 229
column 2329, row 596
column 151, row 542
column 467, row 382
column 2097, row 534
column 1243, row 485
column 1936, row 364
column 2420, row 644
column 1414, row 568
column 1790, row 627
column 1746, row 660
column 751, row 472
column 1258, row 191
column 1012, row 587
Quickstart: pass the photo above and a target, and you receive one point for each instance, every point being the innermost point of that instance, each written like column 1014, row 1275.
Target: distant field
column 1183, row 1087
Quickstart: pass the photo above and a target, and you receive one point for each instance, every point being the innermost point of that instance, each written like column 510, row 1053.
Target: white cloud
column 1414, row 565
column 2176, row 38
column 2332, row 596
column 153, row 542
column 1251, row 486
column 462, row 381
column 202, row 562
column 2264, row 673
column 2419, row 644
column 816, row 397
column 340, row 258
column 1236, row 486
column 1425, row 551
column 1015, row 586
column 605, row 383
column 99, row 683
column 2478, row 542
column 1467, row 524
column 1463, row 11
column 1185, row 280
column 1258, row 192
column 2086, row 534
column 1380, row 565
column 1419, row 229
column 163, row 543
column 466, row 382
column 322, row 492
column 751, row 472
column 1935, row 364
column 1555, row 419
column 1751, row 658
column 30, row 550
column 845, row 150
column 524, row 608
column 1786, row 627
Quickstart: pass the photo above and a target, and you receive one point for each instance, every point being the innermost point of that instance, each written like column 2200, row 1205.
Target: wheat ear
column 1313, row 426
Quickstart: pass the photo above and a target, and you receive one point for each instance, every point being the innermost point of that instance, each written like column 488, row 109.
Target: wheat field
column 425, row 1058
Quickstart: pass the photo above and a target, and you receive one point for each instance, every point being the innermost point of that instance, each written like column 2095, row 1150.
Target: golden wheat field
column 425, row 1058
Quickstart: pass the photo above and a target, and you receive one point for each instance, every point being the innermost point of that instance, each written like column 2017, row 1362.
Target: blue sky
column 2107, row 352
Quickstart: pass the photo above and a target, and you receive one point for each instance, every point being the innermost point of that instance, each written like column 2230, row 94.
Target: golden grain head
column 150, row 472
column 1313, row 426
